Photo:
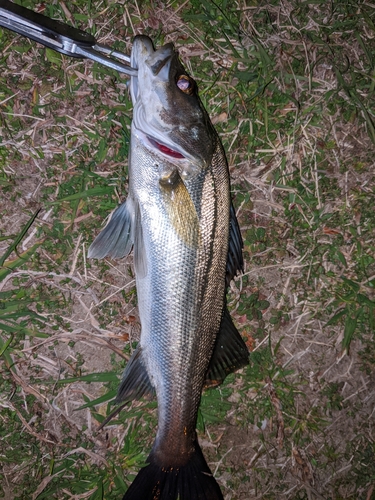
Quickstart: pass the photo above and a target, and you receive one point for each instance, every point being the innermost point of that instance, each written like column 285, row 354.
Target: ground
column 290, row 89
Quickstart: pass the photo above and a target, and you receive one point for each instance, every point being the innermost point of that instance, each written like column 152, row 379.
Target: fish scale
column 187, row 247
column 177, row 333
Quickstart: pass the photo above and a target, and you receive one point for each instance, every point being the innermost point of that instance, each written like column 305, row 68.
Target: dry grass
column 290, row 89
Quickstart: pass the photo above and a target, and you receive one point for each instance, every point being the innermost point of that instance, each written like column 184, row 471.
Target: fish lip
column 143, row 50
column 144, row 54
column 141, row 44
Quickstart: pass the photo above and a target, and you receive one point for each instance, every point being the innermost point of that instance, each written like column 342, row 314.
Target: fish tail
column 192, row 481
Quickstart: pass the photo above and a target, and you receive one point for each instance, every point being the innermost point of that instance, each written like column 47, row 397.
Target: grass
column 290, row 88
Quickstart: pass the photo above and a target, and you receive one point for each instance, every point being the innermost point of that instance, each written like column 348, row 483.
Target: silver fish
column 187, row 248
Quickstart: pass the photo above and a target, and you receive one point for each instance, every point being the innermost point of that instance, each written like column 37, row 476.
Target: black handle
column 40, row 28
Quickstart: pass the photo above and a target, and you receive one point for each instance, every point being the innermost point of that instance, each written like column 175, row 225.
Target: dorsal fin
column 235, row 257
column 230, row 352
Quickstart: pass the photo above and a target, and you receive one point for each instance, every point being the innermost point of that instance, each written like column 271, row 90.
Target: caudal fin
column 193, row 481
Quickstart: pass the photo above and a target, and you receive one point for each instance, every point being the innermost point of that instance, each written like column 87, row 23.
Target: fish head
column 168, row 115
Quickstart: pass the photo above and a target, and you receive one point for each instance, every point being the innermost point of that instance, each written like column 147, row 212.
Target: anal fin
column 230, row 352
column 135, row 384
column 135, row 380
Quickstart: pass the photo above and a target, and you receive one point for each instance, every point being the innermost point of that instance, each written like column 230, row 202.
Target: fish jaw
column 173, row 120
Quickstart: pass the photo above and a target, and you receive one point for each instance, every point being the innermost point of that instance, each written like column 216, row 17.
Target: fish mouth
column 143, row 51
column 144, row 54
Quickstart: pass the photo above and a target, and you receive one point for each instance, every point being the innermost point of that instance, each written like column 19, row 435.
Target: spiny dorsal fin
column 235, row 257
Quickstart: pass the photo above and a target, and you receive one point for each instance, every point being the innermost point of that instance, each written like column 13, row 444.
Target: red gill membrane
column 165, row 149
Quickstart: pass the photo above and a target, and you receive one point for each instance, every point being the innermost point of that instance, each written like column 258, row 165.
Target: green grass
column 291, row 90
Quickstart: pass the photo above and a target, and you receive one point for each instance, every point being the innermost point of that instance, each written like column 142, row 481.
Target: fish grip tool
column 61, row 37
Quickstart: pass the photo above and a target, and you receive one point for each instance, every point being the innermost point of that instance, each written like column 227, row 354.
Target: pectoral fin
column 180, row 207
column 116, row 239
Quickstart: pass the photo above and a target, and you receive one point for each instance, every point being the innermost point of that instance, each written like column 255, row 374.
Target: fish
column 180, row 221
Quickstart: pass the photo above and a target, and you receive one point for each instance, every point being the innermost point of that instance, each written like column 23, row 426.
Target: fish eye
column 186, row 84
